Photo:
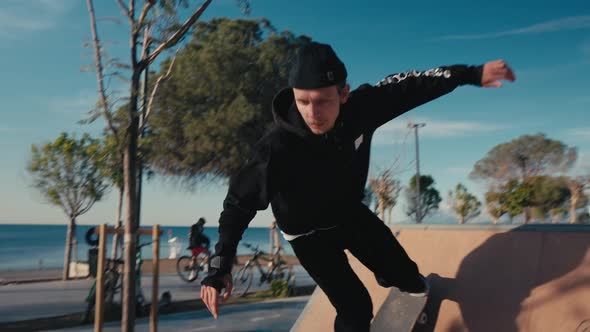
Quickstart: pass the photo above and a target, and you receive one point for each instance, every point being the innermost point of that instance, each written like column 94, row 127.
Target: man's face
column 320, row 107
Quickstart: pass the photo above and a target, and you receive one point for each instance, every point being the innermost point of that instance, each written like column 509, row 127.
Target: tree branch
column 154, row 91
column 85, row 209
column 177, row 35
column 144, row 11
column 124, row 8
column 146, row 41
column 99, row 71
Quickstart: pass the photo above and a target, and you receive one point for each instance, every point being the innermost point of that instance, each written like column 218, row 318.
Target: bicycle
column 112, row 282
column 189, row 267
column 277, row 269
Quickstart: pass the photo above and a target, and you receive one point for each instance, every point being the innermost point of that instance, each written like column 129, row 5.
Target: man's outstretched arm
column 399, row 93
column 249, row 191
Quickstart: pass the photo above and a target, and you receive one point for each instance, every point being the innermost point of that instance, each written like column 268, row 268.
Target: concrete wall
column 533, row 278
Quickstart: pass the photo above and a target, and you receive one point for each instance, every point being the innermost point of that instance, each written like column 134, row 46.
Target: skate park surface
column 487, row 278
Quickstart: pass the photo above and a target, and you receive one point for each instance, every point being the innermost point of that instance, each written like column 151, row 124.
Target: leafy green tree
column 429, row 197
column 524, row 157
column 464, row 204
column 548, row 195
column 515, row 197
column 217, row 102
column 67, row 173
column 493, row 201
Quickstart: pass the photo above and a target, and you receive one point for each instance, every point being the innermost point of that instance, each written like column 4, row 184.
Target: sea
column 25, row 247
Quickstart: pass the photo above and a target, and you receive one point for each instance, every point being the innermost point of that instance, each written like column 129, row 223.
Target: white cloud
column 55, row 6
column 78, row 104
column 26, row 16
column 561, row 24
column 13, row 130
column 459, row 170
column 390, row 132
column 580, row 133
column 10, row 23
column 582, row 166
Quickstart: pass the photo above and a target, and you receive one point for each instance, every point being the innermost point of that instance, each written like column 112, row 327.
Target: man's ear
column 344, row 94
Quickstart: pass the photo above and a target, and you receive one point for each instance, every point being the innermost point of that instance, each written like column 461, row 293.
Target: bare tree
column 156, row 25
column 386, row 190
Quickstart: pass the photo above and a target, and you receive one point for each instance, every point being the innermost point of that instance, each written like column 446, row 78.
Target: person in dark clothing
column 198, row 242
column 312, row 168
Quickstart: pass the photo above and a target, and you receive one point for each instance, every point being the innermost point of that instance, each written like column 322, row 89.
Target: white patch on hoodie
column 358, row 142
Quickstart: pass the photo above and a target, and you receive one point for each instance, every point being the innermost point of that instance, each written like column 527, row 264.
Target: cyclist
column 199, row 242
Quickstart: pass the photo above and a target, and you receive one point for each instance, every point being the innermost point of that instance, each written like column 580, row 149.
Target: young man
column 312, row 167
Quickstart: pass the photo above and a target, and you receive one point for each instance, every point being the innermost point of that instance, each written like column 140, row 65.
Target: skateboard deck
column 400, row 312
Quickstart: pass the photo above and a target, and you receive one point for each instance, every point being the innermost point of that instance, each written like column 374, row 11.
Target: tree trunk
column 271, row 234
column 461, row 220
column 118, row 224
column 382, row 210
column 144, row 102
column 389, row 219
column 68, row 252
column 496, row 220
column 573, row 204
column 527, row 215
column 130, row 176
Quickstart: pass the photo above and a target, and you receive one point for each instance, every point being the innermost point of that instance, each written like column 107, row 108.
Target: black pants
column 372, row 243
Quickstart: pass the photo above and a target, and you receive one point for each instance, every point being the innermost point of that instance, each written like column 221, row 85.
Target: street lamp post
column 415, row 126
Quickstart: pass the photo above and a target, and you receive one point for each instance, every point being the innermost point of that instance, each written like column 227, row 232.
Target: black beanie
column 316, row 66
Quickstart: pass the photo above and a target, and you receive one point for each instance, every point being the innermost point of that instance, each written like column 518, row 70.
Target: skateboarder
column 312, row 167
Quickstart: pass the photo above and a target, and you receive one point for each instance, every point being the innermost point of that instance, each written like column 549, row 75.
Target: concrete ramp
column 488, row 278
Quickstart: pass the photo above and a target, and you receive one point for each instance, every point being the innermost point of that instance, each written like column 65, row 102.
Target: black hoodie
column 312, row 181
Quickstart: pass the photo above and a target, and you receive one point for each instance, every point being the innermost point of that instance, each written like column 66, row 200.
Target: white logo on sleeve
column 396, row 78
column 358, row 142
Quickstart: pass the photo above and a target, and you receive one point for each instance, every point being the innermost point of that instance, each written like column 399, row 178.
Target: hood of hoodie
column 287, row 117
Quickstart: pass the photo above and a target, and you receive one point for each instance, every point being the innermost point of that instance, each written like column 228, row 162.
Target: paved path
column 49, row 299
column 275, row 316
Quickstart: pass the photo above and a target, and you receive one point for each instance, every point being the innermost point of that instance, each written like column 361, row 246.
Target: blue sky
column 44, row 92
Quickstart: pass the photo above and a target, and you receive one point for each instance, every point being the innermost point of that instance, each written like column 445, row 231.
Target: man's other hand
column 494, row 72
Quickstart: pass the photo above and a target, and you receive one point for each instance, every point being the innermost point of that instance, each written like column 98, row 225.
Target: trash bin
column 92, row 261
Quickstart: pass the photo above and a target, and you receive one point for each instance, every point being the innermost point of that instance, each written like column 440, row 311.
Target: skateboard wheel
column 422, row 319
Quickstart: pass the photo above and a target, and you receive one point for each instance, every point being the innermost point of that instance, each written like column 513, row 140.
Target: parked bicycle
column 112, row 280
column 189, row 267
column 276, row 269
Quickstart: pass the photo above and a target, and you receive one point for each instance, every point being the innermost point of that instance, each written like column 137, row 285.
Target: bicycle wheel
column 243, row 281
column 187, row 269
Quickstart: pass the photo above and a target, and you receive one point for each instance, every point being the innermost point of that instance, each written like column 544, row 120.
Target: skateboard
column 400, row 312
